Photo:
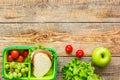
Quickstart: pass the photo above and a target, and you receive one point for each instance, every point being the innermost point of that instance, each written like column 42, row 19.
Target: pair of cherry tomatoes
column 15, row 55
column 69, row 49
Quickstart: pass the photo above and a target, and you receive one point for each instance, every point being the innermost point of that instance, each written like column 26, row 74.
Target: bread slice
column 42, row 62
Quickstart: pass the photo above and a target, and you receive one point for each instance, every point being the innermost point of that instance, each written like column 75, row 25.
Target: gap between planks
column 50, row 22
column 59, row 11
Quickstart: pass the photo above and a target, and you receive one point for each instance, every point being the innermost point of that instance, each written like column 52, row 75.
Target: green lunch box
column 51, row 75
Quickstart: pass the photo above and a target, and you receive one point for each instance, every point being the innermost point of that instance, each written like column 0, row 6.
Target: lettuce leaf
column 76, row 70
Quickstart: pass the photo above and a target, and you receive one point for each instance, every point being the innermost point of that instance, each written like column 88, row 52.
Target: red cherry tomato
column 10, row 58
column 25, row 53
column 79, row 53
column 69, row 48
column 14, row 53
column 20, row 58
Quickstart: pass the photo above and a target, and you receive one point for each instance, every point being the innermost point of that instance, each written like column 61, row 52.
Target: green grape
column 7, row 66
column 19, row 74
column 26, row 69
column 19, row 67
column 12, row 70
column 24, row 75
column 9, row 72
column 11, row 76
column 23, row 65
column 18, row 63
column 12, row 65
column 14, row 75
column 17, row 70
column 23, row 70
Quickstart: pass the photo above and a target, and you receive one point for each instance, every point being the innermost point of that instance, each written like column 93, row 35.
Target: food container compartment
column 51, row 75
column 7, row 51
column 6, row 72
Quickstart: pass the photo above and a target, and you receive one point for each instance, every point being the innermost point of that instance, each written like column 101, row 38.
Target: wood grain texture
column 86, row 36
column 111, row 72
column 59, row 10
column 56, row 23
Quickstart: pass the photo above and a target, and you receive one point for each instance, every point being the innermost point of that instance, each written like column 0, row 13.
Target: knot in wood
column 45, row 36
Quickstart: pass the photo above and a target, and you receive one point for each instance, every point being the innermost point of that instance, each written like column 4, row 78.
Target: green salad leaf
column 76, row 70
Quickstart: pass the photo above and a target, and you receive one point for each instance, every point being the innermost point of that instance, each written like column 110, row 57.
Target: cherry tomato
column 20, row 58
column 25, row 53
column 10, row 58
column 14, row 53
column 69, row 48
column 79, row 53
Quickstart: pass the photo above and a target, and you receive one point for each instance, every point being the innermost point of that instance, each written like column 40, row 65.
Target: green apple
column 101, row 56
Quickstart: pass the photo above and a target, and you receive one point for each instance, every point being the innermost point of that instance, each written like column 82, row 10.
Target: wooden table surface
column 85, row 24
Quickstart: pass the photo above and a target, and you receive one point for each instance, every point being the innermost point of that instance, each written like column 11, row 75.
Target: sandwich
column 42, row 62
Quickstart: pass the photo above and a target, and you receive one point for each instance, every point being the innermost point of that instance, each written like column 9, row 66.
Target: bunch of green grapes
column 16, row 70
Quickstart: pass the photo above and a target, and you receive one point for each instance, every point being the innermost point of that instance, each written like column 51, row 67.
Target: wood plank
column 86, row 36
column 60, row 11
column 111, row 72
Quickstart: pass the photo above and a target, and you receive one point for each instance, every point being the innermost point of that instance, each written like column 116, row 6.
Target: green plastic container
column 51, row 75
